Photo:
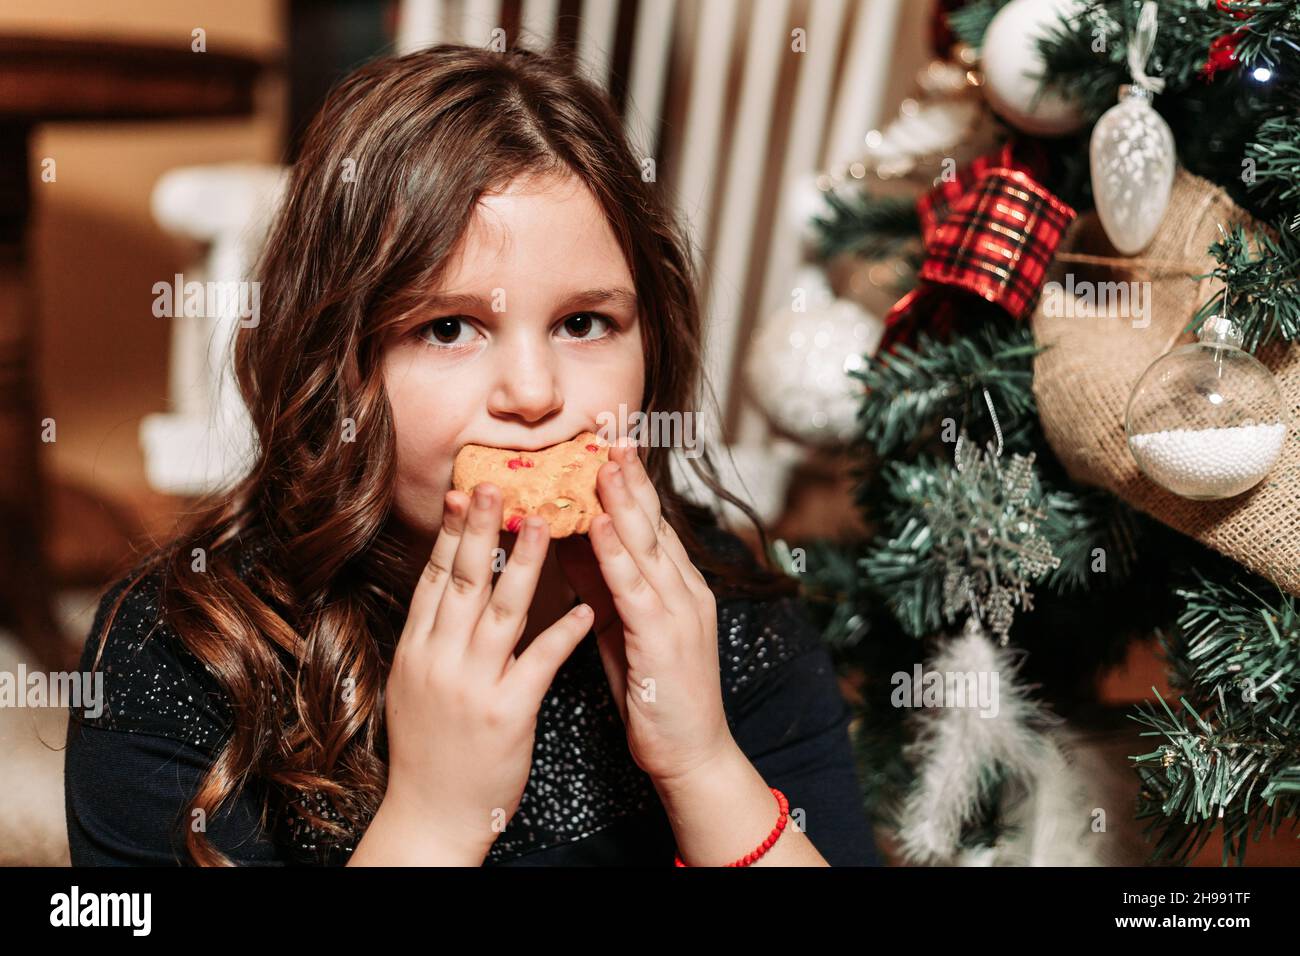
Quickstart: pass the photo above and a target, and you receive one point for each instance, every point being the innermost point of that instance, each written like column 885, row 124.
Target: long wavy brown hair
column 423, row 136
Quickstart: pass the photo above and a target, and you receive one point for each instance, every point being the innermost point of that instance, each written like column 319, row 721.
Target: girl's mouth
column 532, row 448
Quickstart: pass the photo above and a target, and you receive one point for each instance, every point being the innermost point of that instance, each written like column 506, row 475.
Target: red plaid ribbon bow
column 992, row 231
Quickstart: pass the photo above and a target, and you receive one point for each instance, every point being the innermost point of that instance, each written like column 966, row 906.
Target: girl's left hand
column 656, row 624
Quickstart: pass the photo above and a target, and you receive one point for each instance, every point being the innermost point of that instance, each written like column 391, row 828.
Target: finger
column 639, row 542
column 502, row 621
column 467, row 586
column 628, row 457
column 437, row 570
column 635, row 599
column 532, row 672
column 643, row 491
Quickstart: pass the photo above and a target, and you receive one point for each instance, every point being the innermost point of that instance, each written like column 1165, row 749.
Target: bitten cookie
column 558, row 483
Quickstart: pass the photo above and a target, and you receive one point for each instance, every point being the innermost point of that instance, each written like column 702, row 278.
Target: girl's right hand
column 461, row 709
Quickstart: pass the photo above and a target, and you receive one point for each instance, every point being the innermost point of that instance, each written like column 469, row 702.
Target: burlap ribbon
column 1084, row 378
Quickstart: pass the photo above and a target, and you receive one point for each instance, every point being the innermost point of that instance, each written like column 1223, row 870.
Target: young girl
column 324, row 667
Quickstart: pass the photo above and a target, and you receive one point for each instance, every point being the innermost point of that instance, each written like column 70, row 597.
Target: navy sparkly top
column 131, row 770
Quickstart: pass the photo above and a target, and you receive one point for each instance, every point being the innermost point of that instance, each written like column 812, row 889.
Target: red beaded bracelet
column 766, row 845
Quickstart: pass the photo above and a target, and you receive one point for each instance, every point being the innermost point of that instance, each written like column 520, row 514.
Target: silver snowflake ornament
column 984, row 520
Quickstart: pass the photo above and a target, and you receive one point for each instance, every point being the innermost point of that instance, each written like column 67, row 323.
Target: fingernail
column 532, row 528
column 616, row 474
column 482, row 499
column 582, row 610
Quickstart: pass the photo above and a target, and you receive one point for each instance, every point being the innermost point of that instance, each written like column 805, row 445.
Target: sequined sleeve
column 135, row 759
column 152, row 683
column 791, row 720
column 786, row 711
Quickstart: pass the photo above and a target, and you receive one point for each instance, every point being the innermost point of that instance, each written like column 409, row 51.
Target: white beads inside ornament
column 1214, row 462
column 1207, row 420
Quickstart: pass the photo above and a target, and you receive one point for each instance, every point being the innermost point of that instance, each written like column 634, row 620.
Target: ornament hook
column 1140, row 47
column 958, row 460
column 1219, row 329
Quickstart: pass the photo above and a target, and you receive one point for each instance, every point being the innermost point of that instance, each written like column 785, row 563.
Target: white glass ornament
column 1207, row 420
column 1012, row 67
column 799, row 363
column 1132, row 159
column 1131, row 152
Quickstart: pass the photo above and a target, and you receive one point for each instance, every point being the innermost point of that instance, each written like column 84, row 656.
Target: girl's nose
column 527, row 386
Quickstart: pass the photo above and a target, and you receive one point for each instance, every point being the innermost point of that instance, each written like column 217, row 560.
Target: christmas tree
column 1036, row 502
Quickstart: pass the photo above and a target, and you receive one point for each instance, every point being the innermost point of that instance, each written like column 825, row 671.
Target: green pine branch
column 1217, row 770
column 1275, row 153
column 1252, row 108
column 904, row 570
column 1261, row 278
column 1230, row 758
column 1272, row 36
column 872, row 227
column 970, row 22
column 1092, row 532
column 829, row 582
column 906, row 393
column 1087, row 57
column 1237, row 636
column 1225, row 762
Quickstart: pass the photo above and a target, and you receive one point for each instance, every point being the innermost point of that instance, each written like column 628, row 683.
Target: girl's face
column 533, row 333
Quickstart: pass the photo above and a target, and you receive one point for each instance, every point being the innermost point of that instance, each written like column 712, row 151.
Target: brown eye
column 579, row 326
column 446, row 331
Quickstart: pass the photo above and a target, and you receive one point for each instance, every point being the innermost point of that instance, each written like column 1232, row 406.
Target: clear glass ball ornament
column 1207, row 420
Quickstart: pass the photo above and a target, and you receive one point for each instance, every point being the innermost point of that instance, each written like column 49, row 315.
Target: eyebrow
column 587, row 297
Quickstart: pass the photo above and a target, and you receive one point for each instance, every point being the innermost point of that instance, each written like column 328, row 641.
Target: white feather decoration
column 955, row 743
